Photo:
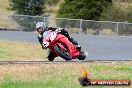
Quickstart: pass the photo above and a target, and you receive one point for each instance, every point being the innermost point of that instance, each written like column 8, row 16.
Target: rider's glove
column 40, row 36
column 45, row 44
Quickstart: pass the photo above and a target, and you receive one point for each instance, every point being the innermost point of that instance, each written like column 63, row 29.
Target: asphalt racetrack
column 99, row 47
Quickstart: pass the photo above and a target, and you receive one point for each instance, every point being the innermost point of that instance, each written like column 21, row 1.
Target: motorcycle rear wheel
column 82, row 55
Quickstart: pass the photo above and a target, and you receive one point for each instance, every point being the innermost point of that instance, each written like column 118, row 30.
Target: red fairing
column 59, row 40
column 71, row 48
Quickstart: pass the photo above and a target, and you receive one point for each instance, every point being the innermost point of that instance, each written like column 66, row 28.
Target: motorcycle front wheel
column 63, row 54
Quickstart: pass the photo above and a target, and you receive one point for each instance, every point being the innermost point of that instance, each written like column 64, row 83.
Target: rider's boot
column 75, row 43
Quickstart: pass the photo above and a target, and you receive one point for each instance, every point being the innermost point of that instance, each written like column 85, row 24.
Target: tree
column 83, row 9
column 28, row 7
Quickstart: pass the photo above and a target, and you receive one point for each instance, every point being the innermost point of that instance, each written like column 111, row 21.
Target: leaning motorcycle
column 61, row 46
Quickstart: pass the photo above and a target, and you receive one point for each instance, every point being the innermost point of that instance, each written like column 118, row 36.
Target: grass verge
column 63, row 75
column 20, row 51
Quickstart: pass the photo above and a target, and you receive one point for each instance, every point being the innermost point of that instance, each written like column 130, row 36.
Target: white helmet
column 41, row 25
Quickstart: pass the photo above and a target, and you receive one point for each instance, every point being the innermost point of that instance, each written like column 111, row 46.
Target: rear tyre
column 82, row 55
column 63, row 54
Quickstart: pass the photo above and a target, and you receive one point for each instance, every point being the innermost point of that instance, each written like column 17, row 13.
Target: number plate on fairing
column 52, row 36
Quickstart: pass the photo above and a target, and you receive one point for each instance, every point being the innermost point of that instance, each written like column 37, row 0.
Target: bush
column 114, row 13
column 28, row 7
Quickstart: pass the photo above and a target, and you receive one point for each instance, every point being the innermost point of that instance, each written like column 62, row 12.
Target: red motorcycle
column 61, row 46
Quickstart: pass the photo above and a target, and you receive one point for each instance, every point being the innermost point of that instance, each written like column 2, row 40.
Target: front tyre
column 63, row 54
column 51, row 56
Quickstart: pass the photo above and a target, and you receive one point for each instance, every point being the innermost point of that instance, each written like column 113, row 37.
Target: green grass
column 50, row 83
column 63, row 75
column 20, row 84
column 4, row 53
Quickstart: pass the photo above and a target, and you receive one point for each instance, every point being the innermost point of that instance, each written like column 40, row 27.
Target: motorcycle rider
column 41, row 27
